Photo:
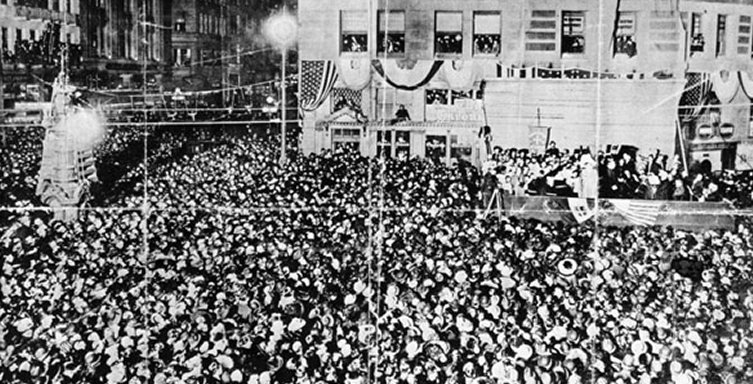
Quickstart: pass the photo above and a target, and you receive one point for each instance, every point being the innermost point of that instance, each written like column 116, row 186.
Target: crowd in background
column 616, row 174
column 342, row 269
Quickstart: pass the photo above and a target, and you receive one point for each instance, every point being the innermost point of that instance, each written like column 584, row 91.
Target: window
column 180, row 25
column 436, row 148
column 384, row 143
column 346, row 138
column 56, row 5
column 541, row 35
column 448, row 34
column 402, row 144
column 5, row 39
column 486, row 33
column 32, row 35
column 750, row 122
column 625, row 36
column 696, row 36
column 721, row 35
column 573, row 32
column 182, row 56
column 354, row 31
column 19, row 34
column 391, row 36
column 459, row 150
column 743, row 36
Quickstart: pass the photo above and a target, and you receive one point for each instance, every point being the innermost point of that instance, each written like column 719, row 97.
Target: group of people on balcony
column 624, row 174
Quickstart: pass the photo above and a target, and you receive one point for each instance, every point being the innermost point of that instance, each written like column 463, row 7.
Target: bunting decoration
column 398, row 78
column 318, row 77
column 725, row 86
column 460, row 75
column 354, row 74
column 746, row 84
column 509, row 72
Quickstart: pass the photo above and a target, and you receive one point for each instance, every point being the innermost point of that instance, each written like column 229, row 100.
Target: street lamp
column 281, row 30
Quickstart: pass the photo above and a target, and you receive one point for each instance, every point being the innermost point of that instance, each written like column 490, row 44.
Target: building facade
column 209, row 38
column 32, row 34
column 668, row 75
column 118, row 36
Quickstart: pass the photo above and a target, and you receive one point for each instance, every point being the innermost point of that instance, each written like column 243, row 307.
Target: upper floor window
column 625, row 36
column 448, row 33
column 573, row 32
column 743, row 35
column 721, row 35
column 354, row 31
column 391, row 36
column 487, row 38
column 180, row 25
column 696, row 33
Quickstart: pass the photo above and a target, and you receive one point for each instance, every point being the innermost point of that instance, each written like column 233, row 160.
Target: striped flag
column 318, row 77
column 638, row 212
column 581, row 209
column 694, row 95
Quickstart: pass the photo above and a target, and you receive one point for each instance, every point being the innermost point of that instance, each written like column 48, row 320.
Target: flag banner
column 344, row 97
column 694, row 96
column 638, row 212
column 576, row 73
column 318, row 77
column 538, row 138
column 407, row 79
column 686, row 215
column 581, row 209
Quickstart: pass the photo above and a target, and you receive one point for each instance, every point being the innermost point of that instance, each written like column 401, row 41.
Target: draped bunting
column 746, row 84
column 725, row 90
column 407, row 79
column 460, row 75
column 354, row 74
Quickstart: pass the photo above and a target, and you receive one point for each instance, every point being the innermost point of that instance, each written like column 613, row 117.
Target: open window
column 391, row 36
column 354, row 34
column 486, row 33
column 448, row 34
column 573, row 32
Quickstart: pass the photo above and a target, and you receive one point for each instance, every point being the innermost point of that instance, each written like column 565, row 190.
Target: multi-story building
column 31, row 37
column 118, row 36
column 208, row 40
column 668, row 75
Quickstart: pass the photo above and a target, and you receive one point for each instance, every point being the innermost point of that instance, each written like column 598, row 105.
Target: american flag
column 694, row 96
column 317, row 79
column 348, row 95
column 638, row 212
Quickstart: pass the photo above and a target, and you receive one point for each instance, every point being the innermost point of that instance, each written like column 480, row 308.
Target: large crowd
column 616, row 174
column 336, row 268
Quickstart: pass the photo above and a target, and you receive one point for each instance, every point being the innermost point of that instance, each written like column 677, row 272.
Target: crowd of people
column 616, row 174
column 336, row 268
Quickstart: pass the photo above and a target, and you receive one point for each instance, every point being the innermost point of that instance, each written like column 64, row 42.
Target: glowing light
column 281, row 29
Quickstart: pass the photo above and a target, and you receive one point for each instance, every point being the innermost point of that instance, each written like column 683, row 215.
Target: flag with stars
column 345, row 97
column 694, row 96
column 318, row 77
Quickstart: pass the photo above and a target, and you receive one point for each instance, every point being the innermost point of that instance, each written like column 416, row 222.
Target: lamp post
column 281, row 30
